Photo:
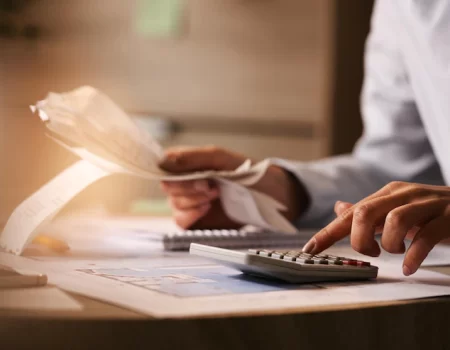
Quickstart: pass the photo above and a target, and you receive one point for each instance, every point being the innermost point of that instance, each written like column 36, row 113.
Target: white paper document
column 87, row 123
column 179, row 285
column 40, row 207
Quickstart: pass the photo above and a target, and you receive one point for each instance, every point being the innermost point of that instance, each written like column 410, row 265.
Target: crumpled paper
column 89, row 124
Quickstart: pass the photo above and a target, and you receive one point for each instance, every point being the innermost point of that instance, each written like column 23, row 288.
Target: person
column 395, row 181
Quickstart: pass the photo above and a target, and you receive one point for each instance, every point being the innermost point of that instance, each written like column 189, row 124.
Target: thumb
column 188, row 159
column 340, row 207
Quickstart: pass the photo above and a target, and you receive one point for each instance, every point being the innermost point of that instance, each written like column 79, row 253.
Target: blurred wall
column 255, row 76
column 351, row 28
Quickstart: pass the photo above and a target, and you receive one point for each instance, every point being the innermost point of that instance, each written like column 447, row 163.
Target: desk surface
column 415, row 324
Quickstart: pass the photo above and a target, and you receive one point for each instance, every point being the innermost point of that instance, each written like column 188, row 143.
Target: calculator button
column 336, row 262
column 299, row 257
column 333, row 257
column 266, row 252
column 350, row 262
column 324, row 256
column 233, row 233
column 293, row 253
column 291, row 256
column 304, row 261
column 320, row 261
column 279, row 255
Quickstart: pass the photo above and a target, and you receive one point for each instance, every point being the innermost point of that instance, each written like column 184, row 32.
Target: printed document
column 179, row 285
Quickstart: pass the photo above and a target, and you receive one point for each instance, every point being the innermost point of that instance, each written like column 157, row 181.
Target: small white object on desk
column 10, row 278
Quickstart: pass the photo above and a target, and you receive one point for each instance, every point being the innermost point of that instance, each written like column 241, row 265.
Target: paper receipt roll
column 41, row 206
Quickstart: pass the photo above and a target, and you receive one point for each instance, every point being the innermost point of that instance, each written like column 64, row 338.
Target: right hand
column 196, row 204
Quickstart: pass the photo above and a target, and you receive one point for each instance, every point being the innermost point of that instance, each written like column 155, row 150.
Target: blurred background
column 262, row 77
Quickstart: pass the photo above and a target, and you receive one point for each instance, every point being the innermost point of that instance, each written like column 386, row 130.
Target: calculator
column 290, row 266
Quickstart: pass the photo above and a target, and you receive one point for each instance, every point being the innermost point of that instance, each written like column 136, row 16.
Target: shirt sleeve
column 394, row 145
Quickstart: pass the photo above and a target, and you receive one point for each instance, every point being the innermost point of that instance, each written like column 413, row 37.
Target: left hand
column 196, row 204
column 399, row 210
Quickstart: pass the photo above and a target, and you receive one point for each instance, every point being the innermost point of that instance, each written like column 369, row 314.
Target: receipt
column 44, row 204
column 88, row 123
column 88, row 117
column 239, row 204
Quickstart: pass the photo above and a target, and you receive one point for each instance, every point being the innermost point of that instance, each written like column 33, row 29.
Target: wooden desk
column 418, row 324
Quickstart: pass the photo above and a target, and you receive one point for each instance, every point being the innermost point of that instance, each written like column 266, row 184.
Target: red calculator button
column 349, row 262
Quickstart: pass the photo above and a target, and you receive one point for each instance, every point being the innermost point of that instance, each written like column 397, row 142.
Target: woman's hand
column 399, row 210
column 196, row 204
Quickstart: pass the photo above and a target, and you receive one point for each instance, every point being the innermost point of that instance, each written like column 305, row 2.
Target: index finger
column 187, row 159
column 339, row 228
column 330, row 234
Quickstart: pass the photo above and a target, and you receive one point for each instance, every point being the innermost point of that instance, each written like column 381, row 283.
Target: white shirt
column 405, row 105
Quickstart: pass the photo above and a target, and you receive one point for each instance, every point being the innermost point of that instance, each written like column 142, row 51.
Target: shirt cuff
column 318, row 188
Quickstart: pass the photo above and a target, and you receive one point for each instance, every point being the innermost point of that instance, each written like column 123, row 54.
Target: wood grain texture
column 413, row 325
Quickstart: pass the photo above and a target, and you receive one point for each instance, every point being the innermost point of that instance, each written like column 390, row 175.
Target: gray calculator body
column 288, row 270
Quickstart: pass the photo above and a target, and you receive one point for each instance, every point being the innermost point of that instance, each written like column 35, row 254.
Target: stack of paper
column 89, row 124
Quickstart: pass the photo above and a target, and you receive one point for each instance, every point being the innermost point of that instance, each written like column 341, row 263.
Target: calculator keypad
column 303, row 258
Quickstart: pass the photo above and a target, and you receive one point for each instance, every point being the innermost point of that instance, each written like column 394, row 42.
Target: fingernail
column 310, row 246
column 201, row 186
column 406, row 270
